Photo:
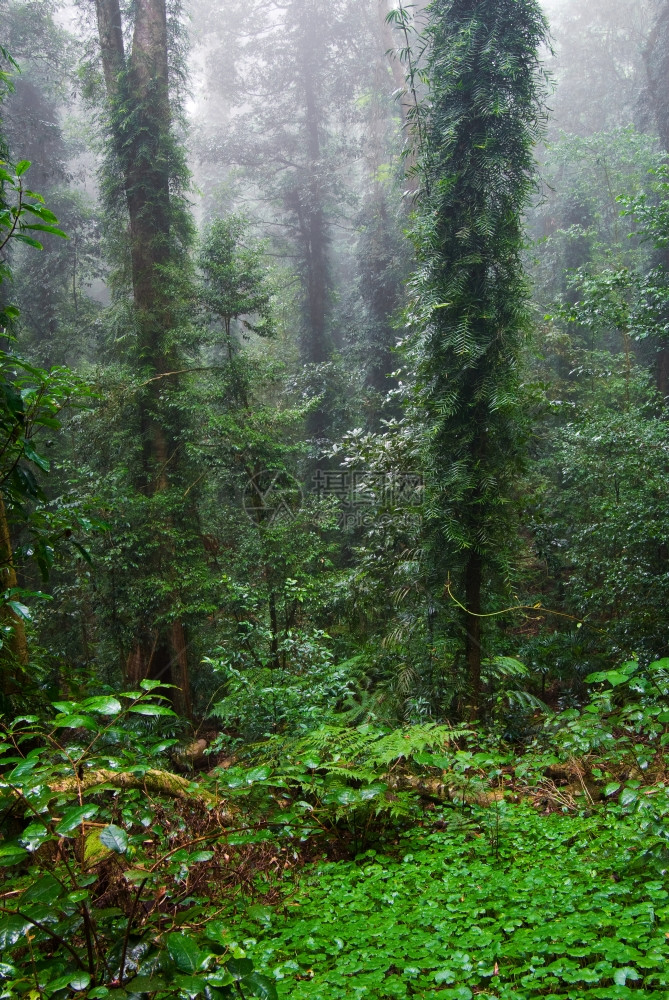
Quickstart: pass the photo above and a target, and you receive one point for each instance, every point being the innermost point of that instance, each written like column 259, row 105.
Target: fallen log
column 440, row 791
column 153, row 782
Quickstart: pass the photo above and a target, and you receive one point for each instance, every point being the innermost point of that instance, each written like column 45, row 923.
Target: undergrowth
column 506, row 903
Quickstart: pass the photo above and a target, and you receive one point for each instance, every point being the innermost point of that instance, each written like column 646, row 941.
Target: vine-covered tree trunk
column 473, row 585
column 140, row 115
column 477, row 161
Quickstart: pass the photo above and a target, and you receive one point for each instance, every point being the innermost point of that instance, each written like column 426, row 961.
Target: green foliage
column 234, row 279
column 470, row 290
column 31, row 400
column 365, row 752
column 548, row 909
column 303, row 691
column 22, row 212
column 335, row 781
column 599, row 517
column 625, row 721
column 108, row 898
column 578, row 223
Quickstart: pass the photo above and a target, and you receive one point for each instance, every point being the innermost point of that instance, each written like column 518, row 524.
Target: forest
column 334, row 481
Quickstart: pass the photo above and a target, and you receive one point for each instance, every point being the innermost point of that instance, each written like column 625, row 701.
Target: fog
column 244, row 190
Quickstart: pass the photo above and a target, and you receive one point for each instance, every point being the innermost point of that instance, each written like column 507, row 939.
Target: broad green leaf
column 34, row 836
column 184, row 952
column 78, row 895
column 150, row 709
column 192, row 985
column 45, row 228
column 220, row 978
column 104, row 705
column 12, row 930
column 146, row 984
column 74, row 722
column 616, row 678
column 21, row 167
column 257, row 774
column 200, row 856
column 216, row 930
column 73, row 818
column 64, row 707
column 29, row 240
column 22, row 770
column 149, row 685
column 20, row 610
column 659, row 665
column 12, row 854
column 620, row 976
column 35, row 457
column 40, row 211
column 260, row 986
column 163, row 745
column 46, row 889
column 114, row 838
column 628, row 796
column 57, row 984
column 81, row 981
column 261, row 914
column 240, row 967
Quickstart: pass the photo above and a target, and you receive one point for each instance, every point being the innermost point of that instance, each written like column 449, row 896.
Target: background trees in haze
column 297, row 131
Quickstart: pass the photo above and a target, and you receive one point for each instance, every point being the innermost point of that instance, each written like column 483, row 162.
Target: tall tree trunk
column 139, row 102
column 316, row 348
column 656, row 56
column 15, row 643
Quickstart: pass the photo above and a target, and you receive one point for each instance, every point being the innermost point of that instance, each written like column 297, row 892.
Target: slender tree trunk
column 274, row 624
column 473, row 583
column 15, row 643
column 316, row 348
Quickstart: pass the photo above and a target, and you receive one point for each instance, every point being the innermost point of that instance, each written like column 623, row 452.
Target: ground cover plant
column 507, row 903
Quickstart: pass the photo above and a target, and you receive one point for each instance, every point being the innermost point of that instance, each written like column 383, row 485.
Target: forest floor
column 506, row 902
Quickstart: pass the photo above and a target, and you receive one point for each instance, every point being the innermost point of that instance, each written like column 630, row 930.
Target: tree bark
column 473, row 582
column 656, row 57
column 316, row 348
column 15, row 642
column 139, row 103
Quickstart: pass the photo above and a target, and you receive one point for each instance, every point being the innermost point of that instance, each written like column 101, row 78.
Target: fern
column 363, row 753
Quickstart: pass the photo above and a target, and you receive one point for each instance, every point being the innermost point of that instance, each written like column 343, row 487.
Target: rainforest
column 334, row 499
